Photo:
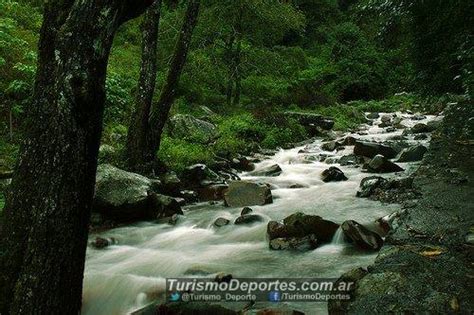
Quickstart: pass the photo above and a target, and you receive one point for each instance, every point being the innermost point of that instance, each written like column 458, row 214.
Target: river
column 127, row 276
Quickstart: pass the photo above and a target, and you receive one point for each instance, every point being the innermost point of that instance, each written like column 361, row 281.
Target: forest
column 146, row 140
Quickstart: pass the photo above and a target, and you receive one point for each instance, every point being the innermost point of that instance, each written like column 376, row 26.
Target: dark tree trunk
column 48, row 207
column 161, row 109
column 138, row 131
column 230, row 62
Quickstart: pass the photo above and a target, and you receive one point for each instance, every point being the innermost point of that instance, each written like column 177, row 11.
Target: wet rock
column 248, row 219
column 368, row 186
column 349, row 140
column 387, row 190
column 189, row 195
column 397, row 138
column 412, row 154
column 373, row 115
column 333, row 174
column 294, row 243
column 270, row 171
column 297, row 186
column 183, row 308
column 220, row 222
column 310, row 120
column 351, row 159
column 172, row 220
column 361, row 236
column 101, row 243
column 421, row 136
column 390, row 129
column 300, row 225
column 339, row 306
column 242, row 163
column 380, row 164
column 125, row 197
column 245, row 193
column 434, row 124
column 370, row 150
column 329, row 146
column 200, row 175
column 212, row 192
column 166, row 206
column 170, row 184
column 192, row 129
column 418, row 116
column 246, row 210
column 418, row 128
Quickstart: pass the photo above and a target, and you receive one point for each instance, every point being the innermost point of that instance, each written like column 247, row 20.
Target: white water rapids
column 124, row 277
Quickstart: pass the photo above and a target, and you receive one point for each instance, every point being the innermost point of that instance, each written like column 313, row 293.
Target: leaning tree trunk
column 161, row 109
column 48, row 207
column 138, row 131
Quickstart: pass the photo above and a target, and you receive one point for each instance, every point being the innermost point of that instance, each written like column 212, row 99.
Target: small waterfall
column 338, row 238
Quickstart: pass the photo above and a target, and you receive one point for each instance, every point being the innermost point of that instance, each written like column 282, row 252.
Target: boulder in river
column 351, row 159
column 361, row 236
column 212, row 192
column 300, row 225
column 193, row 129
column 418, row 128
column 294, row 243
column 101, row 242
column 333, row 174
column 380, row 164
column 248, row 219
column 329, row 146
column 170, row 184
column 368, row 186
column 412, row 154
column 200, row 175
column 125, row 197
column 311, row 120
column 242, row 163
column 269, row 171
column 245, row 193
column 373, row 115
column 220, row 222
column 371, row 149
column 349, row 140
column 246, row 210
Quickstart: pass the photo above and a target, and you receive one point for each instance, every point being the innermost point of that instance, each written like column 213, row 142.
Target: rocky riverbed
column 310, row 211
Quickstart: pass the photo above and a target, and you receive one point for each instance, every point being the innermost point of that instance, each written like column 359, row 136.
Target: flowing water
column 127, row 276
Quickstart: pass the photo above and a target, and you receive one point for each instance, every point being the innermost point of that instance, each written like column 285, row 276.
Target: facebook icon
column 274, row 296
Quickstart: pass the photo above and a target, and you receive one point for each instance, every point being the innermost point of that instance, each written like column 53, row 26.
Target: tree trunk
column 161, row 109
column 230, row 62
column 138, row 131
column 48, row 207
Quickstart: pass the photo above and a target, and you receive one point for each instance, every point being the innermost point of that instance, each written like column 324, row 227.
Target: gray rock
column 333, row 174
column 370, row 149
column 295, row 243
column 200, row 175
column 368, row 186
column 246, row 210
column 124, row 196
column 380, row 164
column 101, row 243
column 373, row 115
column 248, row 219
column 412, row 154
column 361, row 236
column 300, row 225
column 351, row 159
column 220, row 222
column 245, row 193
column 329, row 146
column 190, row 128
column 270, row 171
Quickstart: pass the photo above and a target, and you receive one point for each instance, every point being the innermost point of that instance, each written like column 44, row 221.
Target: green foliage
column 178, row 154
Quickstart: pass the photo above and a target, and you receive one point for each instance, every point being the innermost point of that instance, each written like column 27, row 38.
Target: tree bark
column 161, row 109
column 48, row 207
column 138, row 131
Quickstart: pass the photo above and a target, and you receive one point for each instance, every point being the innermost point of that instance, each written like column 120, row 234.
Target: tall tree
column 138, row 131
column 159, row 111
column 48, row 207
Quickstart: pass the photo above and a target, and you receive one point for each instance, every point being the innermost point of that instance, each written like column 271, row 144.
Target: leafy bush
column 178, row 154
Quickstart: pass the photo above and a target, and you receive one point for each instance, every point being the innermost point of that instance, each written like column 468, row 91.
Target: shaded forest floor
column 426, row 264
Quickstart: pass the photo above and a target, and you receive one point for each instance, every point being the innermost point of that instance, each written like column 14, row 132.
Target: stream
column 131, row 274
